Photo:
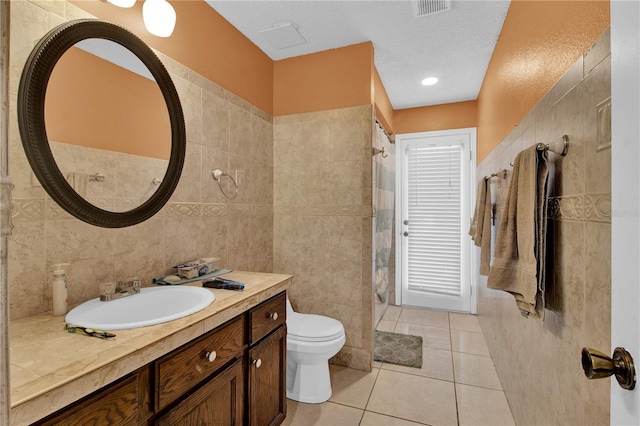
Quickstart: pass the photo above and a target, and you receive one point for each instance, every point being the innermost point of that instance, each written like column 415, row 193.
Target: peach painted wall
column 539, row 41
column 457, row 115
column 384, row 109
column 93, row 103
column 205, row 42
column 331, row 79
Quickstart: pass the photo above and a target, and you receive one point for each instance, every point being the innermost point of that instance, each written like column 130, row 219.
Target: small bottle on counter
column 59, row 290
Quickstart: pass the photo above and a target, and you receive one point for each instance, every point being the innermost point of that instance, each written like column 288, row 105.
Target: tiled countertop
column 51, row 368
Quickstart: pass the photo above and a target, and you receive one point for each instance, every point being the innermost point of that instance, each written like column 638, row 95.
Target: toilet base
column 309, row 383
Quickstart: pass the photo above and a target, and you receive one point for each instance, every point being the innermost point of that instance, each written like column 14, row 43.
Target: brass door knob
column 597, row 365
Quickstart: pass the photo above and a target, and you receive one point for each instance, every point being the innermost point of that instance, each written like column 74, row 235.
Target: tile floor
column 457, row 384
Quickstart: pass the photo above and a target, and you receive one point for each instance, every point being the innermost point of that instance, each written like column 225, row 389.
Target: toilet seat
column 313, row 328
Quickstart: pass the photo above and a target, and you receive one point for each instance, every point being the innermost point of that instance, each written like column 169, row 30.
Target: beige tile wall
column 322, row 220
column 539, row 364
column 223, row 131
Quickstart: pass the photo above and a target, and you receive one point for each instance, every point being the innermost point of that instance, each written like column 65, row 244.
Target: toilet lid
column 313, row 328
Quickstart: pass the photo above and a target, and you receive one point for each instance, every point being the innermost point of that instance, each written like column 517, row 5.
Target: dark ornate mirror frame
column 31, row 97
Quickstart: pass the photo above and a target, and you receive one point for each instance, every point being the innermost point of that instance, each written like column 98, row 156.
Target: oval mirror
column 101, row 123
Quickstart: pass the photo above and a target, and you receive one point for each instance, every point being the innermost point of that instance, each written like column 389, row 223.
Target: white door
column 435, row 171
column 625, row 180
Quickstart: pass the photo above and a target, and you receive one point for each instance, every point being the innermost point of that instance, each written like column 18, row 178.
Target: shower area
column 325, row 229
column 383, row 241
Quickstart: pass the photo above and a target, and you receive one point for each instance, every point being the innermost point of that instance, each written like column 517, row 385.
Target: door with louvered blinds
column 435, row 207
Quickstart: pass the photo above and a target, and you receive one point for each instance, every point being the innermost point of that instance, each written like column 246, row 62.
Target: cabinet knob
column 257, row 362
column 273, row 316
column 211, row 356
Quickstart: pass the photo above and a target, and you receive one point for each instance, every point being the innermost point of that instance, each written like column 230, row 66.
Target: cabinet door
column 219, row 402
column 267, row 380
column 116, row 404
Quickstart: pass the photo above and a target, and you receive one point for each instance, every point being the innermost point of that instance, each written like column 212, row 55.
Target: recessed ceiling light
column 429, row 81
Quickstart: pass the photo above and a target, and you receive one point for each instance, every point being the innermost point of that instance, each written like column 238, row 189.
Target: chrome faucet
column 125, row 288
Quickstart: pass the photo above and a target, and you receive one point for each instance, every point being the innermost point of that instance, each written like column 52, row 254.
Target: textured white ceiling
column 454, row 46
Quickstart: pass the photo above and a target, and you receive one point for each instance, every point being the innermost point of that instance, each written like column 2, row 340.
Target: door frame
column 473, row 255
column 625, row 199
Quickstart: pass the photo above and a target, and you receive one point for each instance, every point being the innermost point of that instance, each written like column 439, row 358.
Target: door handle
column 597, row 365
column 406, row 222
column 405, row 233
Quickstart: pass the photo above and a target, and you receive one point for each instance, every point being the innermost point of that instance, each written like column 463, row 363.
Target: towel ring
column 217, row 174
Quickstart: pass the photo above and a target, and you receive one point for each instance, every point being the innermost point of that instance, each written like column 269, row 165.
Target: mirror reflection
column 108, row 125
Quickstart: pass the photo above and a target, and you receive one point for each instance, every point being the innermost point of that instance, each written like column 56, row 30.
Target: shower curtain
column 384, row 202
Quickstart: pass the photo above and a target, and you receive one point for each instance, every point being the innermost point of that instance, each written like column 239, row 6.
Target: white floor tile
column 328, row 413
column 432, row 337
column 469, row 342
column 351, row 387
column 415, row 398
column 375, row 419
column 480, row 406
column 475, row 370
column 465, row 322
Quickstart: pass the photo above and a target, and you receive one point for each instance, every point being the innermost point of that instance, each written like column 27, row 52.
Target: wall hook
column 376, row 151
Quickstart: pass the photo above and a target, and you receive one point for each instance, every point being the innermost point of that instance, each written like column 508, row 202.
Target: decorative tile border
column 28, row 210
column 39, row 209
column 358, row 210
column 594, row 207
column 598, row 208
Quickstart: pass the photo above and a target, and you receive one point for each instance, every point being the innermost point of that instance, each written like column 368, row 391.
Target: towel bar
column 98, row 177
column 502, row 174
column 559, row 146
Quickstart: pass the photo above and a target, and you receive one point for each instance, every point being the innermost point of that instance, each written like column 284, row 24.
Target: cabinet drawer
column 184, row 368
column 266, row 317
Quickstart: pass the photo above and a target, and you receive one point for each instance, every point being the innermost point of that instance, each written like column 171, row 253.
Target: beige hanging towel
column 481, row 225
column 519, row 257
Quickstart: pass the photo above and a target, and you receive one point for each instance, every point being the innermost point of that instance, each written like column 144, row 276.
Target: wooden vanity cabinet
column 232, row 375
column 251, row 390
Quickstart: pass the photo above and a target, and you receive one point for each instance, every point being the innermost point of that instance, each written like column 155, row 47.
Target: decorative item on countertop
column 91, row 332
column 223, row 283
column 196, row 268
column 176, row 280
column 59, row 289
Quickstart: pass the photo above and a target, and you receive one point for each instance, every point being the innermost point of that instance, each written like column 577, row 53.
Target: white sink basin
column 151, row 306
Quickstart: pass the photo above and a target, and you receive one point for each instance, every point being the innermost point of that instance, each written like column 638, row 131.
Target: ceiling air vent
column 429, row 7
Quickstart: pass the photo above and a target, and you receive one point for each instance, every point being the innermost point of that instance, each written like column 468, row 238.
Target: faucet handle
column 130, row 282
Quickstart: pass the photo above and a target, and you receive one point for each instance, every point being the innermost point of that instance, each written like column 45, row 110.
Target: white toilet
column 311, row 341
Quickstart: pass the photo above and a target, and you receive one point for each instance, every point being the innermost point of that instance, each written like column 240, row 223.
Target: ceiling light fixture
column 121, row 3
column 429, row 81
column 159, row 17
